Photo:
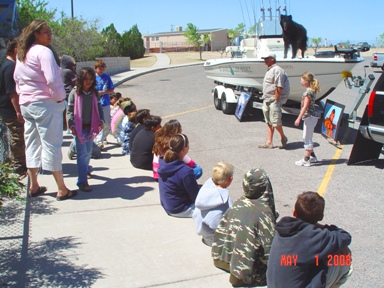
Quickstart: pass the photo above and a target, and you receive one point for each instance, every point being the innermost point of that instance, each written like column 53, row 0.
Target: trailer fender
column 230, row 96
column 228, row 101
column 216, row 93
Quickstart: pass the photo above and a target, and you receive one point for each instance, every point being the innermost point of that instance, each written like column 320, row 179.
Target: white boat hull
column 249, row 72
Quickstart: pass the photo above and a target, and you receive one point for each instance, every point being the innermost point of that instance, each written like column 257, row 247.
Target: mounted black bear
column 293, row 34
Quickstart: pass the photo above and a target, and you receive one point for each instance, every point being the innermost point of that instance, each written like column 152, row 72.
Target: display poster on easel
column 332, row 115
column 241, row 105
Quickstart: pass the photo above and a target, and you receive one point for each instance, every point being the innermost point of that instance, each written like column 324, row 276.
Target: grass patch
column 183, row 57
column 147, row 61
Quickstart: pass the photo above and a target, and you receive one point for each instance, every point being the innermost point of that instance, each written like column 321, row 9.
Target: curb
column 150, row 70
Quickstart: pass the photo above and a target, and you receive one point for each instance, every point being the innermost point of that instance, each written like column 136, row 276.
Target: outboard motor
column 237, row 40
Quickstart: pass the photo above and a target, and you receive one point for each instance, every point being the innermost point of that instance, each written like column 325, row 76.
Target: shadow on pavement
column 41, row 264
column 46, row 265
column 129, row 188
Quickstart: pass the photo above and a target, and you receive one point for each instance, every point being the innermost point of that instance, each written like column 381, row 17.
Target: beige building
column 175, row 41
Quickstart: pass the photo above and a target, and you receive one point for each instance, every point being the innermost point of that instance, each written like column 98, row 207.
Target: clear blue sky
column 336, row 20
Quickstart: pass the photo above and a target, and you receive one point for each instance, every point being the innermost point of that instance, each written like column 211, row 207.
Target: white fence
column 115, row 65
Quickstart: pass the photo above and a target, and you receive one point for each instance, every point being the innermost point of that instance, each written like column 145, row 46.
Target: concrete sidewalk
column 118, row 235
column 162, row 62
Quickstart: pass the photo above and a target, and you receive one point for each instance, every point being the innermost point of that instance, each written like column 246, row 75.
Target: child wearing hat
column 242, row 241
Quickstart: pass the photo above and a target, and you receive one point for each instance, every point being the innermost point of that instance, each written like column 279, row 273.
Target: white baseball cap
column 268, row 55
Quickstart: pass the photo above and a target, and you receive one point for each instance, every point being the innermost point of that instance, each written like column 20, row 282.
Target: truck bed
column 378, row 60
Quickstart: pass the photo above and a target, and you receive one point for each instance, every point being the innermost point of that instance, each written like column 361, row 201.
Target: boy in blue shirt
column 105, row 87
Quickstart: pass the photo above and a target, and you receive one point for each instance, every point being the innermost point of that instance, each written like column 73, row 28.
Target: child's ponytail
column 176, row 143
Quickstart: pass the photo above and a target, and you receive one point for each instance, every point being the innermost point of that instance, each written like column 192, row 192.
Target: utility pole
column 72, row 9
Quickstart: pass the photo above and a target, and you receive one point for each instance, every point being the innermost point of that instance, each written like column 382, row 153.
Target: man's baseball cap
column 268, row 55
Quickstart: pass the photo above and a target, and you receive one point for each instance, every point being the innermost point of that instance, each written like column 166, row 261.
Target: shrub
column 10, row 186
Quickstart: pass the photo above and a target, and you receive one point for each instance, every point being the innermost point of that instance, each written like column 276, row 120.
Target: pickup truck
column 374, row 129
column 378, row 61
column 369, row 141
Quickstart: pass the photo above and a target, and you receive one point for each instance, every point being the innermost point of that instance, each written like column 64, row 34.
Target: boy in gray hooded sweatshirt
column 212, row 201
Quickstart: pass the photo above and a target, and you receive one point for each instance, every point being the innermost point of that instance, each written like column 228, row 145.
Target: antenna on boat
column 254, row 17
column 270, row 10
column 262, row 10
column 278, row 8
column 249, row 17
column 245, row 24
column 285, row 7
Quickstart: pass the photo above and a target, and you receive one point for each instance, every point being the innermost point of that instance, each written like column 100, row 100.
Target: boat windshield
column 269, row 27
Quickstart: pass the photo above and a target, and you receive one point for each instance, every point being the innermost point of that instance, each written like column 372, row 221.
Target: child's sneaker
column 304, row 163
column 313, row 159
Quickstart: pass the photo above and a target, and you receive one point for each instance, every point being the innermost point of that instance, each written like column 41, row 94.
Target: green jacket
column 243, row 238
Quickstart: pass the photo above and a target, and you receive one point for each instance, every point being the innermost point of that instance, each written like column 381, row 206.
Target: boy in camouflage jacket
column 242, row 240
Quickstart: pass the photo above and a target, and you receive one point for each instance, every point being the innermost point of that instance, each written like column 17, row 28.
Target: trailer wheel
column 227, row 108
column 216, row 100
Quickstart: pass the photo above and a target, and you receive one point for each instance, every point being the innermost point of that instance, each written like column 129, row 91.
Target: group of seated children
column 256, row 251
column 244, row 237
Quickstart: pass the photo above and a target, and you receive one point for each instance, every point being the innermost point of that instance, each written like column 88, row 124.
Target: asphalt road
column 352, row 193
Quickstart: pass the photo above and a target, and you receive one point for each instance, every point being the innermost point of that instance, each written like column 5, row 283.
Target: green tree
column 193, row 37
column 78, row 38
column 206, row 40
column 252, row 30
column 233, row 33
column 380, row 40
column 111, row 41
column 34, row 9
column 132, row 43
column 316, row 43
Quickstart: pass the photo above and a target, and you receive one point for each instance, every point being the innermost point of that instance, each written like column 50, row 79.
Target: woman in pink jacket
column 41, row 91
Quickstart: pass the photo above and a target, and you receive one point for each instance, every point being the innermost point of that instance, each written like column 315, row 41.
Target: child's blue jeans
column 84, row 152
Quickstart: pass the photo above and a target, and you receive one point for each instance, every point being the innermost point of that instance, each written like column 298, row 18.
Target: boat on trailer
column 235, row 75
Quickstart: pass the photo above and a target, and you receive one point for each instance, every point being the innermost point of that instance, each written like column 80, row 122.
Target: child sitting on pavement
column 114, row 102
column 141, row 156
column 129, row 109
column 243, row 238
column 305, row 253
column 141, row 116
column 212, row 201
column 118, row 121
column 177, row 182
column 161, row 146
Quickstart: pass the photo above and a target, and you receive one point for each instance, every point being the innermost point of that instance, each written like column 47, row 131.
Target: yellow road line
column 328, row 175
column 185, row 112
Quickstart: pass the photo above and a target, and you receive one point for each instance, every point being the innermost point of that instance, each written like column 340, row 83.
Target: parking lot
column 353, row 193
